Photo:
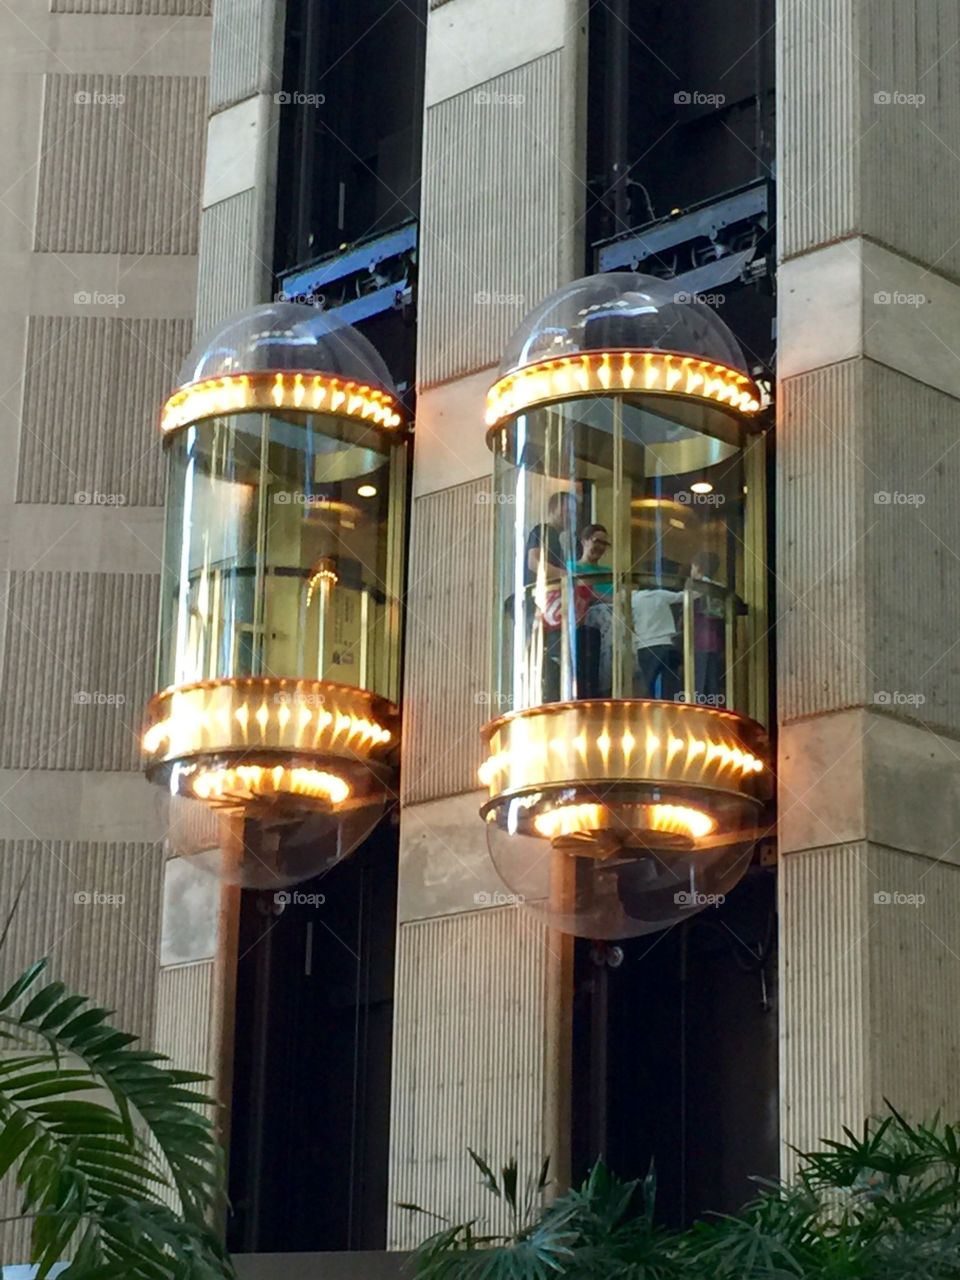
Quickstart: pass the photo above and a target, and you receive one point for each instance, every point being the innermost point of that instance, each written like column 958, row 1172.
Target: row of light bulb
column 621, row 371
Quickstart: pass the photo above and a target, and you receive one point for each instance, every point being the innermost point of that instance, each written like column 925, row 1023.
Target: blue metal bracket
column 361, row 281
column 734, row 225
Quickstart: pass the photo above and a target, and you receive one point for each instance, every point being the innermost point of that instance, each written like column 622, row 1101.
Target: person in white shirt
column 657, row 643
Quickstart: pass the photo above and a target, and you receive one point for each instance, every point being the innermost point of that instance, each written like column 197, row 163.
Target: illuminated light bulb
column 277, row 776
column 694, row 381
column 337, row 397
column 277, row 392
column 568, row 819
column 241, row 391
column 485, row 773
column 680, row 819
column 651, row 372
column 299, row 391
column 580, row 742
column 627, row 373
column 673, row 746
column 262, row 716
column 561, row 380
column 283, row 716
column 673, row 375
column 603, row 372
column 583, row 373
column 701, row 486
column 354, row 403
column 603, row 745
column 367, row 491
column 154, row 736
column 653, row 744
column 696, row 748
column 628, row 742
column 242, row 715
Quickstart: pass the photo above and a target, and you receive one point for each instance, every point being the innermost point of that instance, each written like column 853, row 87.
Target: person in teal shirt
column 598, row 622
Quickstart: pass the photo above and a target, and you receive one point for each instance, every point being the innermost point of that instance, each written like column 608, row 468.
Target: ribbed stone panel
column 106, row 949
column 915, row 976
column 495, row 231
column 912, row 578
column 242, row 53
column 868, row 582
column 120, row 164
column 870, row 964
column 824, row 1057
column 231, row 273
column 92, row 389
column 135, row 8
column 820, row 90
column 822, row 518
column 78, row 662
column 868, row 109
column 184, row 1012
column 468, row 1064
column 911, row 48
column 449, row 594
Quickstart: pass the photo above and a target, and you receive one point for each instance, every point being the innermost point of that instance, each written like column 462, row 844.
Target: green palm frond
column 109, row 1145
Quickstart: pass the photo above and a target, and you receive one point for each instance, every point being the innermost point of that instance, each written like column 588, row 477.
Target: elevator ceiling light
column 367, row 491
column 701, row 486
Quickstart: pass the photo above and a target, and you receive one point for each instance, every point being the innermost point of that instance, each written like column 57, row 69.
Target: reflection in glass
column 282, row 551
column 621, row 563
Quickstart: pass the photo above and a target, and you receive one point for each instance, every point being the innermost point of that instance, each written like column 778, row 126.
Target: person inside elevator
column 550, row 549
column 597, row 629
column 551, row 545
column 656, row 642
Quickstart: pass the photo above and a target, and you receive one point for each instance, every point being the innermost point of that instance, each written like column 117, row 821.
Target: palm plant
column 598, row 1230
column 884, row 1205
column 113, row 1156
